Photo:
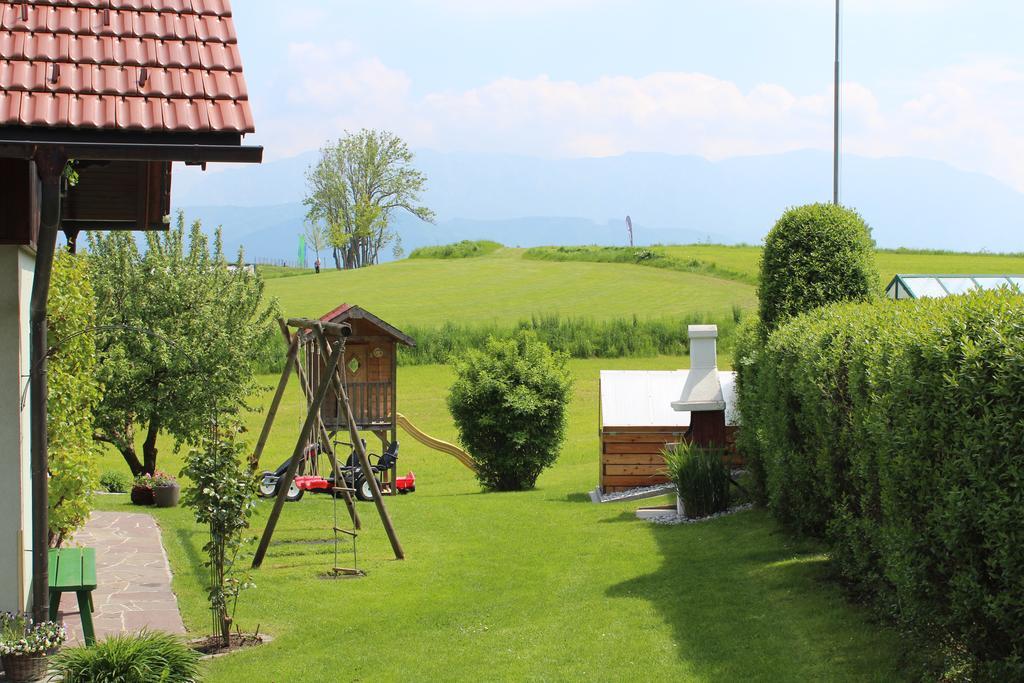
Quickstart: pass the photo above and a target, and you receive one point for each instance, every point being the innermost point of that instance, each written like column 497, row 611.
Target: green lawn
column 539, row 585
column 746, row 259
column 503, row 287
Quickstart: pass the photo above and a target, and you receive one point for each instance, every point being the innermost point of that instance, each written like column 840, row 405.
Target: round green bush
column 815, row 255
column 509, row 404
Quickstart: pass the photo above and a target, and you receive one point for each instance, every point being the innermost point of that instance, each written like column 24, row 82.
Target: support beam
column 357, row 443
column 324, row 436
column 293, row 466
column 51, row 169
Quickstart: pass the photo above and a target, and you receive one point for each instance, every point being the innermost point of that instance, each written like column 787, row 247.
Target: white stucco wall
column 16, row 269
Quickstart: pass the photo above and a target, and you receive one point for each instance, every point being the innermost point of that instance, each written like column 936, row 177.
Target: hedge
column 895, row 431
column 815, row 255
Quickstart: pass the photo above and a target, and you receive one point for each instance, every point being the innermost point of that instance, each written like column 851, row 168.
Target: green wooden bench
column 73, row 570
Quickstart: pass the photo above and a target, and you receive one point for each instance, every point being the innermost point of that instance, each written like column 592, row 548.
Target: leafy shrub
column 509, row 404
column 146, row 657
column 815, row 255
column 115, row 482
column 223, row 498
column 895, row 430
column 463, row 249
column 73, row 395
column 701, row 479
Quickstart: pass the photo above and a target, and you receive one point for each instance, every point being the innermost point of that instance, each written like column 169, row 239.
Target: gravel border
column 672, row 518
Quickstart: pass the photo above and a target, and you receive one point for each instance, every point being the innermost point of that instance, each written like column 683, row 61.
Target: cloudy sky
column 938, row 79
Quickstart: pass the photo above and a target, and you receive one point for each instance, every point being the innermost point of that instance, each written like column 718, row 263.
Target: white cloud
column 967, row 115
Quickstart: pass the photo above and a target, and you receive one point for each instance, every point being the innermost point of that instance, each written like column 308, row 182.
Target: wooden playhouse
column 370, row 370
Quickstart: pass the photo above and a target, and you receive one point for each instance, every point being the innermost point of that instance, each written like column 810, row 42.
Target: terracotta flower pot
column 142, row 495
column 166, row 496
column 24, row 667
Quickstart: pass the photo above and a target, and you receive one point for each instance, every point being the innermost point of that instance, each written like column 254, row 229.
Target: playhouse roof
column 346, row 312
column 938, row 286
column 643, row 398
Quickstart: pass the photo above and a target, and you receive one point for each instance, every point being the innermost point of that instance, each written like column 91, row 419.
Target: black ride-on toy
column 351, row 473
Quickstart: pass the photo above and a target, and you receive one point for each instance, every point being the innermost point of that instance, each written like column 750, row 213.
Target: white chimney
column 702, row 390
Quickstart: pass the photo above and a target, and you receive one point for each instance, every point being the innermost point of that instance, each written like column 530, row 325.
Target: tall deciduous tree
column 184, row 330
column 355, row 188
column 317, row 237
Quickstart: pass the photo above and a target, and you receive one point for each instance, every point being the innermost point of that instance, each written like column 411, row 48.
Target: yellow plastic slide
column 437, row 444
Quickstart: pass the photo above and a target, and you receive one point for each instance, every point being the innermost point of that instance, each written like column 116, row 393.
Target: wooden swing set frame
column 312, row 332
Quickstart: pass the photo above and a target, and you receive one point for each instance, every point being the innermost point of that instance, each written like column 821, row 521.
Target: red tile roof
column 149, row 65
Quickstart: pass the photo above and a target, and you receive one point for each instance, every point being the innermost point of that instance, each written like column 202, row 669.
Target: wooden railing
column 371, row 404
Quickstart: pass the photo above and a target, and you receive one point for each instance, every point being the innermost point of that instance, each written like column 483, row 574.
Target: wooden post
column 289, row 475
column 357, row 444
column 293, row 351
column 307, row 389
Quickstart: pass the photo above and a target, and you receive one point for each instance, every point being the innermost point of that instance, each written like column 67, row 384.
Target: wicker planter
column 142, row 495
column 24, row 667
column 166, row 496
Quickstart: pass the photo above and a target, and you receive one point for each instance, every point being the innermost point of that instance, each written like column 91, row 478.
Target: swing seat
column 311, row 483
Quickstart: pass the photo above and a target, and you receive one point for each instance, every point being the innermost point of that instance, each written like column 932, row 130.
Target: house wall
column 17, row 266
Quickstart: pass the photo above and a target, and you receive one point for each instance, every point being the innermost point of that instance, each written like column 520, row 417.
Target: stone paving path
column 133, row 577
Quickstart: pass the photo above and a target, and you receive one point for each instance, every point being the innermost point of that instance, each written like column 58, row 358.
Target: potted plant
column 142, row 490
column 25, row 646
column 165, row 490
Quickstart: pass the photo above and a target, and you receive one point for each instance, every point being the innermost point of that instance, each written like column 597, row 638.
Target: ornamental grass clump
column 145, row 657
column 509, row 403
column 701, row 478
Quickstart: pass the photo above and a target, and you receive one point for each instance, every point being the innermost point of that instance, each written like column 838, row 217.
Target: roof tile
column 192, row 85
column 44, row 109
column 165, row 25
column 10, row 107
column 122, row 64
column 92, row 111
column 41, row 46
column 114, row 80
column 211, row 28
column 139, row 113
column 220, row 8
column 12, row 45
column 215, row 56
column 224, row 85
column 186, row 116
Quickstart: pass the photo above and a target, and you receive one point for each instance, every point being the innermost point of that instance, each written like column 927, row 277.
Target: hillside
column 504, row 287
column 745, row 259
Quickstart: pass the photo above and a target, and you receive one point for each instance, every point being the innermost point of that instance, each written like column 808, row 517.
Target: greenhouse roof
column 939, row 286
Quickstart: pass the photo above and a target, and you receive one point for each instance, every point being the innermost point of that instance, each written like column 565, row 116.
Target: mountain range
column 527, row 201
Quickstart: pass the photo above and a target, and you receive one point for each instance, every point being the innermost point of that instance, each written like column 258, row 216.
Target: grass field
column 538, row 585
column 503, row 287
column 746, row 260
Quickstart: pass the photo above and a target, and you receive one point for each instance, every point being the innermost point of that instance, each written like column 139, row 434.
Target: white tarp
column 643, row 398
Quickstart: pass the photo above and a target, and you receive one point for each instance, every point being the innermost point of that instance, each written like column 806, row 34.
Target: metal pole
column 835, row 122
column 50, row 164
